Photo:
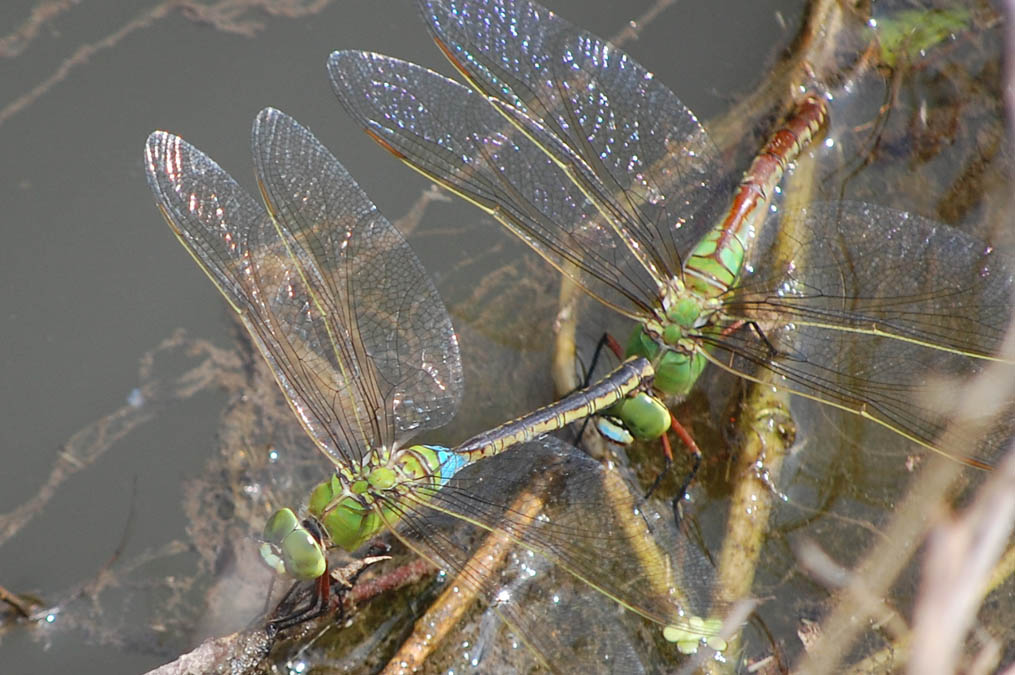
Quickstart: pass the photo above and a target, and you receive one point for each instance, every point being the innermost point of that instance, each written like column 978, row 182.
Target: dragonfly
column 364, row 351
column 597, row 166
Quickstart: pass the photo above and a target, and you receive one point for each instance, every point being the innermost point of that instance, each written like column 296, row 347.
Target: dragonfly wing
column 382, row 334
column 872, row 309
column 652, row 164
column 232, row 238
column 566, row 511
column 452, row 135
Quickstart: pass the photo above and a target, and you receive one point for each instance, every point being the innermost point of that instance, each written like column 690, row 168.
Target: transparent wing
column 373, row 298
column 452, row 135
column 234, row 240
column 871, row 309
column 649, row 162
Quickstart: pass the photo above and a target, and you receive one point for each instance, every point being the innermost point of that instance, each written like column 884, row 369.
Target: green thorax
column 677, row 366
column 671, row 340
column 689, row 308
column 354, row 507
column 351, row 507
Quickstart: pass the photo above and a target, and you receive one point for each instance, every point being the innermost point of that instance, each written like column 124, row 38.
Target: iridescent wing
column 453, row 136
column 331, row 294
column 638, row 152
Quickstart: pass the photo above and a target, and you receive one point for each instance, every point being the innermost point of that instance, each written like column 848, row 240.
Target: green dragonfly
column 366, row 355
column 579, row 151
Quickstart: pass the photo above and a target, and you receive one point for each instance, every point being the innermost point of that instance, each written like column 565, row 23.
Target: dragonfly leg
column 761, row 335
column 267, row 597
column 696, row 455
column 378, row 548
column 337, row 580
column 318, row 605
column 668, row 459
column 275, row 625
column 610, row 342
column 613, row 345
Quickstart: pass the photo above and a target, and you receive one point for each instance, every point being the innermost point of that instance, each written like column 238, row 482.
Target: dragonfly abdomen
column 629, row 376
column 715, row 263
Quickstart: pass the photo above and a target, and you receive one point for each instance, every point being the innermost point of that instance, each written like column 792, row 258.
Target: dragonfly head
column 643, row 416
column 345, row 509
column 292, row 547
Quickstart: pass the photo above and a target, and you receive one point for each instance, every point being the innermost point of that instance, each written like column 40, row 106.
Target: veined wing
column 452, row 135
column 871, row 309
column 234, row 240
column 651, row 165
column 581, row 518
column 371, row 293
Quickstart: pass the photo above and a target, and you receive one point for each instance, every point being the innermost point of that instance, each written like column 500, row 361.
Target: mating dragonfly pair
column 597, row 166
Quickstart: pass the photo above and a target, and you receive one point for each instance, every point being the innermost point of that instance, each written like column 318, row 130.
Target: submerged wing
column 576, row 525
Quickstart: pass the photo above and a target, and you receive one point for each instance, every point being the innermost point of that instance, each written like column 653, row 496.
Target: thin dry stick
column 960, row 555
column 980, row 400
column 224, row 15
column 80, row 57
column 16, row 42
column 91, row 442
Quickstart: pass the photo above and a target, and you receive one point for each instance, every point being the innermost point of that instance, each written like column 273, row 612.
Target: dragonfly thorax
column 352, row 508
column 684, row 313
column 670, row 339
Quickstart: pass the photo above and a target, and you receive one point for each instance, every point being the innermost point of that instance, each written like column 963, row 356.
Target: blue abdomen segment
column 450, row 463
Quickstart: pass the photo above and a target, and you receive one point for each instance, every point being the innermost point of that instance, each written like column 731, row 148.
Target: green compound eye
column 290, row 549
column 643, row 415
